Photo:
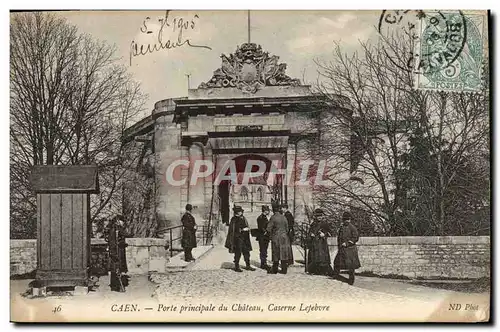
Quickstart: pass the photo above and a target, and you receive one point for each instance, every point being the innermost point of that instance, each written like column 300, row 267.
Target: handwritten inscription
column 170, row 34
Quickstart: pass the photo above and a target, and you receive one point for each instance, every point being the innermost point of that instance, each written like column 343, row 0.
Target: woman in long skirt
column 347, row 256
column 318, row 257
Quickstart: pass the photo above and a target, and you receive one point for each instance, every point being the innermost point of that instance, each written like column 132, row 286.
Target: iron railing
column 99, row 259
column 203, row 233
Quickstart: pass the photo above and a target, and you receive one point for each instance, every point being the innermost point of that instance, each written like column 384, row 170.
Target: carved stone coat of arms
column 249, row 69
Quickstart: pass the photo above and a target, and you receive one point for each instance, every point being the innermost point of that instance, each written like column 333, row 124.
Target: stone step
column 177, row 262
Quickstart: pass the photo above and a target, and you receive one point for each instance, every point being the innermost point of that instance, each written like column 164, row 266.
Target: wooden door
column 64, row 232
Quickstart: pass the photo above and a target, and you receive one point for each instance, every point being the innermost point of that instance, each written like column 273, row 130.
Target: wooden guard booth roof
column 65, row 179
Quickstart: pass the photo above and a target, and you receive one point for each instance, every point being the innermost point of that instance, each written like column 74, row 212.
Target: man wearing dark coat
column 115, row 236
column 238, row 239
column 291, row 223
column 347, row 256
column 188, row 241
column 318, row 257
column 277, row 228
column 262, row 237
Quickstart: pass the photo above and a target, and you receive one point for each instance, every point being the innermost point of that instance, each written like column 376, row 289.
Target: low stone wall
column 143, row 255
column 22, row 256
column 462, row 257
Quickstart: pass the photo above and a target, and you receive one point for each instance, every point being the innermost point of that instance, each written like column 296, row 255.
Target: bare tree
column 366, row 164
column 139, row 199
column 70, row 103
column 362, row 161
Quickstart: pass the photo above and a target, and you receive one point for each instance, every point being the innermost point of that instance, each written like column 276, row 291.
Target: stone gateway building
column 248, row 110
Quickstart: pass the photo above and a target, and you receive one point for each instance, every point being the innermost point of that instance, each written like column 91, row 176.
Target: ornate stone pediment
column 249, row 69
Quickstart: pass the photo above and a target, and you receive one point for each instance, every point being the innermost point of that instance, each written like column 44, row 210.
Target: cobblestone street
column 212, row 280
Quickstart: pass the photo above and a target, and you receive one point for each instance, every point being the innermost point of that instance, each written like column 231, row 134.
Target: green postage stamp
column 452, row 48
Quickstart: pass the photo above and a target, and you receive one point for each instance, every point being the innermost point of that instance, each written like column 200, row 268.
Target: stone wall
column 143, row 255
column 146, row 255
column 461, row 257
column 22, row 256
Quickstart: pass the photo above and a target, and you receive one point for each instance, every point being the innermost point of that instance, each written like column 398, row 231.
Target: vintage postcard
column 250, row 166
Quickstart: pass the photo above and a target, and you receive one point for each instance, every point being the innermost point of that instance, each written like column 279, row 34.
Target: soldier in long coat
column 238, row 239
column 115, row 236
column 318, row 257
column 347, row 256
column 291, row 223
column 188, row 241
column 263, row 237
column 277, row 228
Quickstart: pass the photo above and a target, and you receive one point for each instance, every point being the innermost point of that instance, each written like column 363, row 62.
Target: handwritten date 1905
column 172, row 27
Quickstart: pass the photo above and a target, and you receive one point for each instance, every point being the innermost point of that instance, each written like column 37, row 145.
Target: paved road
column 212, row 280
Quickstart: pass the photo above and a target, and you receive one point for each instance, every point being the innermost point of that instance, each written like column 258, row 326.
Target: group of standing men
column 277, row 230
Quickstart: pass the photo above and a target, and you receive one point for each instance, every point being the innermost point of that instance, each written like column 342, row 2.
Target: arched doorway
column 250, row 195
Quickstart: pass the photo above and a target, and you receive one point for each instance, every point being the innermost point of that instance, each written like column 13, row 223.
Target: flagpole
column 188, row 80
column 248, row 25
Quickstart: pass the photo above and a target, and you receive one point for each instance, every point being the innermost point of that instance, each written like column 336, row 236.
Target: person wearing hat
column 277, row 228
column 238, row 239
column 262, row 236
column 318, row 257
column 188, row 241
column 115, row 236
column 347, row 256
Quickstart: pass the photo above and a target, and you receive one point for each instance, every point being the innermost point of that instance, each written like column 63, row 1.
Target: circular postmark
column 423, row 42
column 442, row 40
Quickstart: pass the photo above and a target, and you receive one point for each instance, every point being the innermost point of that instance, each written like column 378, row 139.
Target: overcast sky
column 297, row 37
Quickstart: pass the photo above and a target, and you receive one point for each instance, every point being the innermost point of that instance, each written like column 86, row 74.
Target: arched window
column 244, row 193
column 260, row 194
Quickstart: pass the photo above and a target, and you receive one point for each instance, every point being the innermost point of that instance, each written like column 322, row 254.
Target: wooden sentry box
column 63, row 223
